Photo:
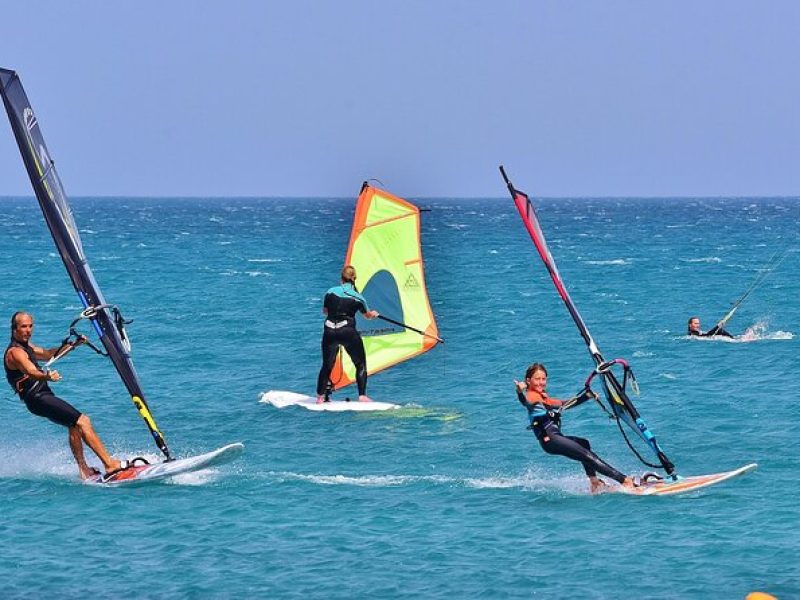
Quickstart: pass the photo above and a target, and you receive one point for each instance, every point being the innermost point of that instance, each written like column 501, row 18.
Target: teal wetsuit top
column 342, row 302
column 535, row 410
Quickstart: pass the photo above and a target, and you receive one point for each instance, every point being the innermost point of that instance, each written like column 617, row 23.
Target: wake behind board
column 282, row 399
column 684, row 484
column 152, row 472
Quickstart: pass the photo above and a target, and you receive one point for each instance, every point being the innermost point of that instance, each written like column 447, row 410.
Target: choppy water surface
column 450, row 496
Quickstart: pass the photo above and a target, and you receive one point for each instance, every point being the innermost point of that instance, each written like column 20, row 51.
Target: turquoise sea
column 450, row 497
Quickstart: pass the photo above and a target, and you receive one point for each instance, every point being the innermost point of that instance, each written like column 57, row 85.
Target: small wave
column 528, row 481
column 194, row 478
column 714, row 339
column 705, row 259
column 532, row 481
column 780, row 335
column 37, row 461
column 362, row 480
column 265, row 260
column 759, row 331
column 614, row 261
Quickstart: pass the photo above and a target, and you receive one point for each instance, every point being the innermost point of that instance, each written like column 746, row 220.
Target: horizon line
column 255, row 197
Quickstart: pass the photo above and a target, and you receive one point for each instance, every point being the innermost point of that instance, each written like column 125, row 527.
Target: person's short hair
column 14, row 319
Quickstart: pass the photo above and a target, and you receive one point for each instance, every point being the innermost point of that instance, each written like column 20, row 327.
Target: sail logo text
column 29, row 118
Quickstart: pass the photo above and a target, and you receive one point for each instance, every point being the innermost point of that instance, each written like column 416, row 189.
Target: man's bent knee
column 84, row 423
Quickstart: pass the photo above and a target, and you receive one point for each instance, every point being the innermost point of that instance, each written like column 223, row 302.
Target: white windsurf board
column 282, row 399
column 141, row 473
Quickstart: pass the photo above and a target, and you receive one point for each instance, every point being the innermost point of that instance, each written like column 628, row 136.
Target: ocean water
column 451, row 496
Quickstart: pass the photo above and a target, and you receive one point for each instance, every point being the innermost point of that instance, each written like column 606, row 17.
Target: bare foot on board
column 597, row 486
column 86, row 471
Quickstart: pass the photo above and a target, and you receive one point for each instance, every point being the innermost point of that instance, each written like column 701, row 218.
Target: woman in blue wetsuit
column 544, row 413
column 340, row 306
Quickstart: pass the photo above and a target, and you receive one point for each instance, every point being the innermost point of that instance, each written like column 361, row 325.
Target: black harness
column 22, row 382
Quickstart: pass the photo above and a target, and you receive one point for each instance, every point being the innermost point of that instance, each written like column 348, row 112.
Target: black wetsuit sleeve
column 522, row 399
column 717, row 330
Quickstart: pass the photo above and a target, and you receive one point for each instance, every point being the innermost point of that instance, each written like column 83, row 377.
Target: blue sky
column 309, row 98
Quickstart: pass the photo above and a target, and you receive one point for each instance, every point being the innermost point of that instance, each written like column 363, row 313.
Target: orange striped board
column 684, row 484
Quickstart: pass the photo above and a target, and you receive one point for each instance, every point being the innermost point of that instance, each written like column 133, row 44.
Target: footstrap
column 124, row 465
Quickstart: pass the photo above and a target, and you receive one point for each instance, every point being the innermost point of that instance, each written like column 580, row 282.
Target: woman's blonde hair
column 349, row 274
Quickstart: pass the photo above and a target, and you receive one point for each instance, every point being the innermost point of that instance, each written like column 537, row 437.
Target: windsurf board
column 282, row 399
column 664, row 487
column 151, row 472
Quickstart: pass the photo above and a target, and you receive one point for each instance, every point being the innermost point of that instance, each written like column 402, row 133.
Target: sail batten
column 61, row 223
column 385, row 250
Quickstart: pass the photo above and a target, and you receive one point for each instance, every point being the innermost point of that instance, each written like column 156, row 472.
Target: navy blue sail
column 107, row 321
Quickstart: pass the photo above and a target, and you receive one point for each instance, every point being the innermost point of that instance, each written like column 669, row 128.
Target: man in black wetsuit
column 693, row 328
column 340, row 306
column 30, row 382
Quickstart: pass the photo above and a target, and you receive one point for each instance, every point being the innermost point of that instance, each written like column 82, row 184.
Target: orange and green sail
column 385, row 251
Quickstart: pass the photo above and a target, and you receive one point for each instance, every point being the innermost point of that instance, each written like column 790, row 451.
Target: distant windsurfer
column 340, row 306
column 693, row 328
column 544, row 413
column 30, row 381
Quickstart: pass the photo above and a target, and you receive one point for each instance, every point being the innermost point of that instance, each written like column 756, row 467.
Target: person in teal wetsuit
column 340, row 306
column 544, row 414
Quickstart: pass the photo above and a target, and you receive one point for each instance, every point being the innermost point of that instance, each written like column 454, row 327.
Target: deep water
column 451, row 496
